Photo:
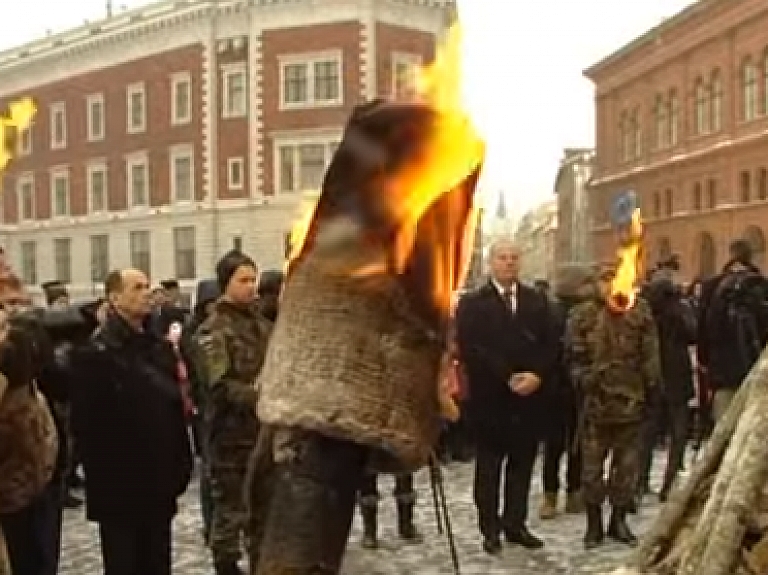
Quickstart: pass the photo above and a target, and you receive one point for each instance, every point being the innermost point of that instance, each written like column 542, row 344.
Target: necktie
column 510, row 298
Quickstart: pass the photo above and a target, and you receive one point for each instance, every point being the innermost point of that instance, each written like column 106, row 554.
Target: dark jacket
column 128, row 417
column 493, row 345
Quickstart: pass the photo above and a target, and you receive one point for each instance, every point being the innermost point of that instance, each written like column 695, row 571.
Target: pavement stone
column 563, row 554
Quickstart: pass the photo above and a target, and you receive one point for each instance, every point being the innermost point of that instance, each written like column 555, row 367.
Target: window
column 749, row 90
column 637, row 136
column 182, row 174
column 301, row 167
column 29, row 262
column 662, row 123
column 26, row 194
column 99, row 257
column 762, row 184
column 58, row 126
column 138, row 181
column 25, row 142
column 656, row 204
column 765, row 82
column 136, row 111
column 711, row 194
column 745, row 186
column 60, row 193
column 311, row 81
column 95, row 105
column 97, row 188
column 235, row 91
column 625, row 130
column 717, row 102
column 668, row 202
column 141, row 251
column 185, row 252
column 235, row 173
column 62, row 258
column 697, row 199
column 702, row 111
column 181, row 94
column 404, row 75
column 674, row 118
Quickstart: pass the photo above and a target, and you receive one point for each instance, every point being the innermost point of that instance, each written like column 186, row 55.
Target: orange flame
column 452, row 153
column 18, row 118
column 630, row 255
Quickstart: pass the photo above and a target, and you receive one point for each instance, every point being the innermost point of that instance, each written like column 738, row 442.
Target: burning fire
column 453, row 152
column 18, row 118
column 630, row 256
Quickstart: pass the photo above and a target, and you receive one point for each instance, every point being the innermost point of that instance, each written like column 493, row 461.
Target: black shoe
column 524, row 538
column 492, row 545
column 71, row 502
column 595, row 534
column 618, row 530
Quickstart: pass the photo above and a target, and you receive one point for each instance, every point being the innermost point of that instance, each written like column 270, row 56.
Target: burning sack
column 356, row 351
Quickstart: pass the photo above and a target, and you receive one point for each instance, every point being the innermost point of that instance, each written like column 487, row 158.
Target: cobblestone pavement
column 563, row 555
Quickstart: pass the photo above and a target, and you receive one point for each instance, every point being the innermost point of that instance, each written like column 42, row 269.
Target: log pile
column 717, row 522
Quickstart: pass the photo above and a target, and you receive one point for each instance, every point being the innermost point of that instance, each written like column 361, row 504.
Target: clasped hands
column 524, row 383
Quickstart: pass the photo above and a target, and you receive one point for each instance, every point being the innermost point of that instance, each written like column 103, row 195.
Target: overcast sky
column 524, row 61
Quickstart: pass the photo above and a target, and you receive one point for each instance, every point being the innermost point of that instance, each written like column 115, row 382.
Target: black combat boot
column 405, row 526
column 595, row 534
column 227, row 568
column 369, row 511
column 618, row 530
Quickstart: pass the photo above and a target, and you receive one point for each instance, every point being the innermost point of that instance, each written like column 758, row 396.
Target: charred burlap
column 352, row 363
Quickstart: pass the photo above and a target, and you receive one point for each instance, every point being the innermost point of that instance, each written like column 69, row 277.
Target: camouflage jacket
column 614, row 359
column 232, row 343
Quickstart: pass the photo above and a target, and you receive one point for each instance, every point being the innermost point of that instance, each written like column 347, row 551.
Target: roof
column 650, row 36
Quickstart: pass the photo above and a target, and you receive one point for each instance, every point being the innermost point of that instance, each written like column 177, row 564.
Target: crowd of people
column 131, row 387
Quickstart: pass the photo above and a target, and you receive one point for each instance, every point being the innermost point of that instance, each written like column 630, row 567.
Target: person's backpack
column 28, row 446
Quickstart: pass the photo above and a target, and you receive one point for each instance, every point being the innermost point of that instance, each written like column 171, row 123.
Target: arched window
column 707, row 255
column 717, row 101
column 745, row 186
column 756, row 239
column 625, row 131
column 637, row 135
column 661, row 122
column 711, row 194
column 669, row 205
column 749, row 89
column 762, row 184
column 765, row 82
column 697, row 203
column 702, row 111
column 674, row 118
column 656, row 204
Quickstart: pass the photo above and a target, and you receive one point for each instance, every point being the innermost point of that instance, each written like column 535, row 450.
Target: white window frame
column 328, row 139
column 177, row 80
column 231, row 184
column 177, row 152
column 227, row 71
column 25, row 179
column 25, row 137
column 310, row 59
column 93, row 167
column 131, row 161
column 92, row 100
column 56, row 174
column 413, row 61
column 55, row 109
column 130, row 91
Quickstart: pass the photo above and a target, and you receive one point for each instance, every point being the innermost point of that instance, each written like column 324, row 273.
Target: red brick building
column 682, row 119
column 171, row 133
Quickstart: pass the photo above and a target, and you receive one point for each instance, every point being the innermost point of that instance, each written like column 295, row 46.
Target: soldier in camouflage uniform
column 233, row 341
column 614, row 359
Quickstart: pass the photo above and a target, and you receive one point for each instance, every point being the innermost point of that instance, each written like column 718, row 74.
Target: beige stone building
column 536, row 236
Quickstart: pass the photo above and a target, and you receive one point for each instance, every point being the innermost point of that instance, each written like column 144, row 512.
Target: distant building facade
column 573, row 243
column 536, row 237
column 168, row 134
column 682, row 120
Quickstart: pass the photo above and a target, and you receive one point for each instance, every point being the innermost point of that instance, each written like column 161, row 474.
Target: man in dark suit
column 508, row 346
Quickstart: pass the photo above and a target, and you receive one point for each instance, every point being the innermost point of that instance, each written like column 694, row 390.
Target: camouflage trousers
column 5, row 562
column 620, row 442
column 229, row 520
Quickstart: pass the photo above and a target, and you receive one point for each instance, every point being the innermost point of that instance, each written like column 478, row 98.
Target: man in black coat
column 128, row 416
column 508, row 346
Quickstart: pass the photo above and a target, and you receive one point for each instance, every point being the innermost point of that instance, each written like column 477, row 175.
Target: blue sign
column 623, row 206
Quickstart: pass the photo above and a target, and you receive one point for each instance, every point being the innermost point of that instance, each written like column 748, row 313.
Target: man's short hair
column 113, row 282
column 170, row 284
